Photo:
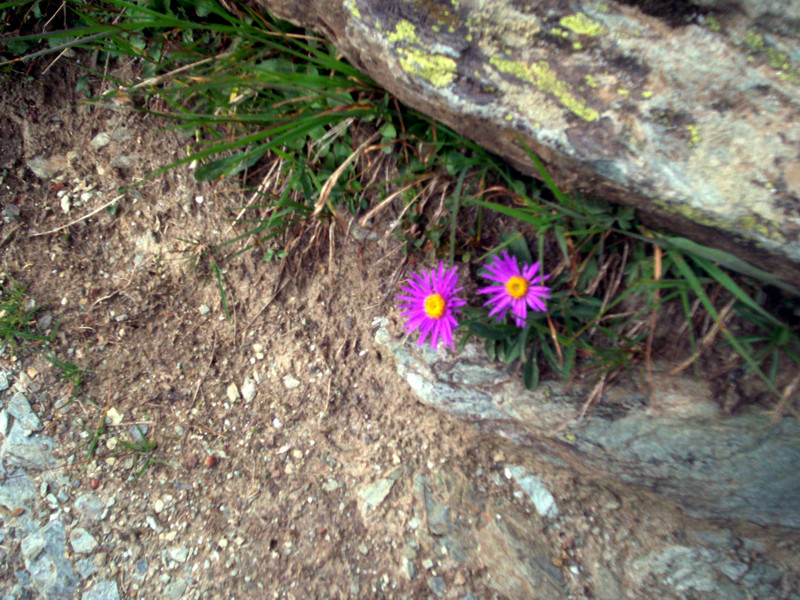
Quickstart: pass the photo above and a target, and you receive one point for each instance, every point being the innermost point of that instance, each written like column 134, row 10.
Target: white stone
column 113, row 417
column 290, row 382
column 536, row 489
column 232, row 392
column 100, row 140
column 248, row 389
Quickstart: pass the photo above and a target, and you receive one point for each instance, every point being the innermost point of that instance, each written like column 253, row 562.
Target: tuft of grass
column 144, row 451
column 17, row 316
column 94, row 437
column 69, row 372
column 19, row 331
column 613, row 278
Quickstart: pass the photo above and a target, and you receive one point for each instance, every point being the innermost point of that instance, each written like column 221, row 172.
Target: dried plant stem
column 84, row 217
column 707, row 339
column 328, row 186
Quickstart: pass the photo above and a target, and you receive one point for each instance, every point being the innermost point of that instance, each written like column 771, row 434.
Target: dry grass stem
column 331, row 181
column 554, row 335
column 83, row 218
column 648, row 353
column 330, row 135
column 786, row 396
column 707, row 339
column 594, row 395
column 376, row 209
column 265, row 183
column 156, row 80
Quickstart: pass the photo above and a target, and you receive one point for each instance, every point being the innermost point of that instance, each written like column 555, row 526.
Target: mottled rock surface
column 690, row 113
column 673, row 443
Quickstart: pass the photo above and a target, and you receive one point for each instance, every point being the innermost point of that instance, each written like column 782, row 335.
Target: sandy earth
column 291, row 460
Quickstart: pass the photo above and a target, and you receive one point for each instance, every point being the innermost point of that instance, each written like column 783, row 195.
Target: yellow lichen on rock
column 437, row 69
column 540, row 75
column 582, row 25
column 694, row 135
column 351, row 4
column 758, row 224
column 403, row 32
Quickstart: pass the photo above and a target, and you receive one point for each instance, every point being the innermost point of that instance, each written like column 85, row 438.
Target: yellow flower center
column 434, row 306
column 516, row 287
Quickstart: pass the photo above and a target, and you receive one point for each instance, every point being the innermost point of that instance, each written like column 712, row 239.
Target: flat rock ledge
column 674, row 443
column 690, row 113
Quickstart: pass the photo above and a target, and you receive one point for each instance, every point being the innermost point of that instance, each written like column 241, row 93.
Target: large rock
column 690, row 113
column 675, row 443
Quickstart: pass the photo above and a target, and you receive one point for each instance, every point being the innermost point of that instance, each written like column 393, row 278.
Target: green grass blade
column 697, row 288
column 454, row 213
column 728, row 261
column 221, row 285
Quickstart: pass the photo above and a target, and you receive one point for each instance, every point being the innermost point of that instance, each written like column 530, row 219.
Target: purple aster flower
column 430, row 302
column 516, row 290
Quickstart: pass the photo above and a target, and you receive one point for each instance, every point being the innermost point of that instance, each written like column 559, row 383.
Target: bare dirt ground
column 279, row 429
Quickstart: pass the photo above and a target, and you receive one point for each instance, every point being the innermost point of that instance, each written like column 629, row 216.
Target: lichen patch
column 543, row 77
column 437, row 69
column 580, row 24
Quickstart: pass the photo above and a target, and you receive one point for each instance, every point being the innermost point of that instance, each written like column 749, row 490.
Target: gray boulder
column 674, row 443
column 690, row 113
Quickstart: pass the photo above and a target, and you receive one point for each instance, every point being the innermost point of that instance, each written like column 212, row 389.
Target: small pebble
column 82, row 541
column 436, row 585
column 248, row 389
column 139, row 431
column 113, row 417
column 290, row 382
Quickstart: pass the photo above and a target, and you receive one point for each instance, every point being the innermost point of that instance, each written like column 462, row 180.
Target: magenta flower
column 430, row 302
column 516, row 290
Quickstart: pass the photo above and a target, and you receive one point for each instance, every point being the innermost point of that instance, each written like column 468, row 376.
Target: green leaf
column 729, row 261
column 463, row 341
column 487, row 331
column 388, row 131
column 17, row 47
column 491, row 349
column 227, row 166
column 454, row 213
column 562, row 241
column 203, row 8
column 694, row 283
column 223, row 296
column 530, row 374
column 525, row 215
column 517, row 246
column 513, row 350
column 546, row 177
column 317, row 133
column 725, row 281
